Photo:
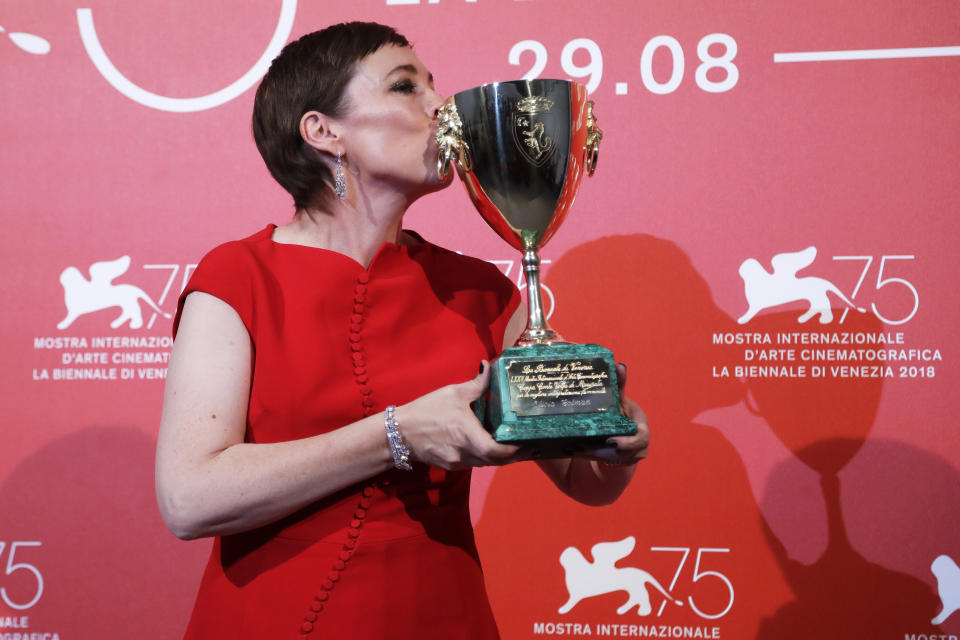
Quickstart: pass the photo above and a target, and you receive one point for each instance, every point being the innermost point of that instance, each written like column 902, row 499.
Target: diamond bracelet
column 401, row 454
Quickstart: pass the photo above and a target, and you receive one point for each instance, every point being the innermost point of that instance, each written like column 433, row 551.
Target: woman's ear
column 321, row 132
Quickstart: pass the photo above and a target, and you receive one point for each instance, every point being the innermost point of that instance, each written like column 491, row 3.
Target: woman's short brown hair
column 310, row 74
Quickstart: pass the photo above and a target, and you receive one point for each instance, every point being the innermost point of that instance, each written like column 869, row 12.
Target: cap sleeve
column 225, row 273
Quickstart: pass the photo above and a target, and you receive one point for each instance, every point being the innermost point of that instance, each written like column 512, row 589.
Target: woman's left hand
column 623, row 450
column 598, row 476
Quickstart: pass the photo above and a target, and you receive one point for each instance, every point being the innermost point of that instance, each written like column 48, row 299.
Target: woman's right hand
column 441, row 429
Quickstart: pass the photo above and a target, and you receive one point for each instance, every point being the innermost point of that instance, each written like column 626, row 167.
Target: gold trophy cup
column 521, row 149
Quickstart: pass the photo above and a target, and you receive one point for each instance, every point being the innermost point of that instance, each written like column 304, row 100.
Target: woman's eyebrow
column 403, row 67
column 411, row 69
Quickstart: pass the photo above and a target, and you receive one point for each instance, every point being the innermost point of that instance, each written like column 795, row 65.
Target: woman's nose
column 434, row 103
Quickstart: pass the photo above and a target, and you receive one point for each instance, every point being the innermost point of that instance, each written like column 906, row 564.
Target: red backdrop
column 803, row 475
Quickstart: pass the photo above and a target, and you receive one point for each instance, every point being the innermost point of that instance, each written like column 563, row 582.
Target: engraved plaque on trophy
column 521, row 149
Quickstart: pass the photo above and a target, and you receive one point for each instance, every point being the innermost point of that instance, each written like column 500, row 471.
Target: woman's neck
column 357, row 232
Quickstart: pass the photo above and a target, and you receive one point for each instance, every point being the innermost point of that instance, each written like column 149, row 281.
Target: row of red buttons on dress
column 366, row 496
column 346, row 553
column 356, row 343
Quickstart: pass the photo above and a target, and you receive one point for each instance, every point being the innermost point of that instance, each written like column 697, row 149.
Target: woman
column 301, row 347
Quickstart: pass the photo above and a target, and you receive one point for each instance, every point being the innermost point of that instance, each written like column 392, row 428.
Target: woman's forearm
column 589, row 481
column 248, row 485
column 209, row 480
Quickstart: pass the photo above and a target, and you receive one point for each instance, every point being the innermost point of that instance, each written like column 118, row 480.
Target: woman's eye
column 403, row 86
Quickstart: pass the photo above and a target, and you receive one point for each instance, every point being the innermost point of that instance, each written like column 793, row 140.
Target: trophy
column 521, row 149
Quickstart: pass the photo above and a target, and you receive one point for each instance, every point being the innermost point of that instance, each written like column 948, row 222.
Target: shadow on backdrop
column 641, row 297
column 843, row 594
column 110, row 568
column 825, row 421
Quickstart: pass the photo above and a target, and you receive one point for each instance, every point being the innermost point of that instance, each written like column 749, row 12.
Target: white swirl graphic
column 119, row 82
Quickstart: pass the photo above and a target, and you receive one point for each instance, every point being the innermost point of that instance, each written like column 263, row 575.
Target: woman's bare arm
column 211, row 482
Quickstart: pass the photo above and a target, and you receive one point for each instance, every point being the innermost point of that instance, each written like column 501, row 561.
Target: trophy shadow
column 843, row 590
column 857, row 576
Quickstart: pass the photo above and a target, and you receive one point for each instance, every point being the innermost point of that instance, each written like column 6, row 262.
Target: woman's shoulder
column 454, row 273
column 228, row 272
column 459, row 263
column 242, row 249
column 234, row 265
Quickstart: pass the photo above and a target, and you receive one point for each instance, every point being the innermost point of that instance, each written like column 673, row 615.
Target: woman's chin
column 436, row 183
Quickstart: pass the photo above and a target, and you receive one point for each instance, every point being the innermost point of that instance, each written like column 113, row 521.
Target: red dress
column 334, row 342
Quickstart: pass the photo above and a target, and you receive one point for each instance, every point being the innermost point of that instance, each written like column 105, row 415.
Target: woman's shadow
column 657, row 314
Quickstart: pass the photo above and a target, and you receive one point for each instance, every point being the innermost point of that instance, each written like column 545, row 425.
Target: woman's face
column 389, row 123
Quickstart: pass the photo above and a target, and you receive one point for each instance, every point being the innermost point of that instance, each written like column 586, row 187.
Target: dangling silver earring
column 340, row 181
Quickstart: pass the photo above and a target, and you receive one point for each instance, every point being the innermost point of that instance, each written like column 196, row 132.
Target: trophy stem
column 538, row 331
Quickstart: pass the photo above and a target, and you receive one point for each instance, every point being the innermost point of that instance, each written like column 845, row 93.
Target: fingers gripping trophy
column 521, row 149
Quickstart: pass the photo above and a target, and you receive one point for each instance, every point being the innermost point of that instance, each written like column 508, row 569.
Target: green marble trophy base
column 556, row 397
